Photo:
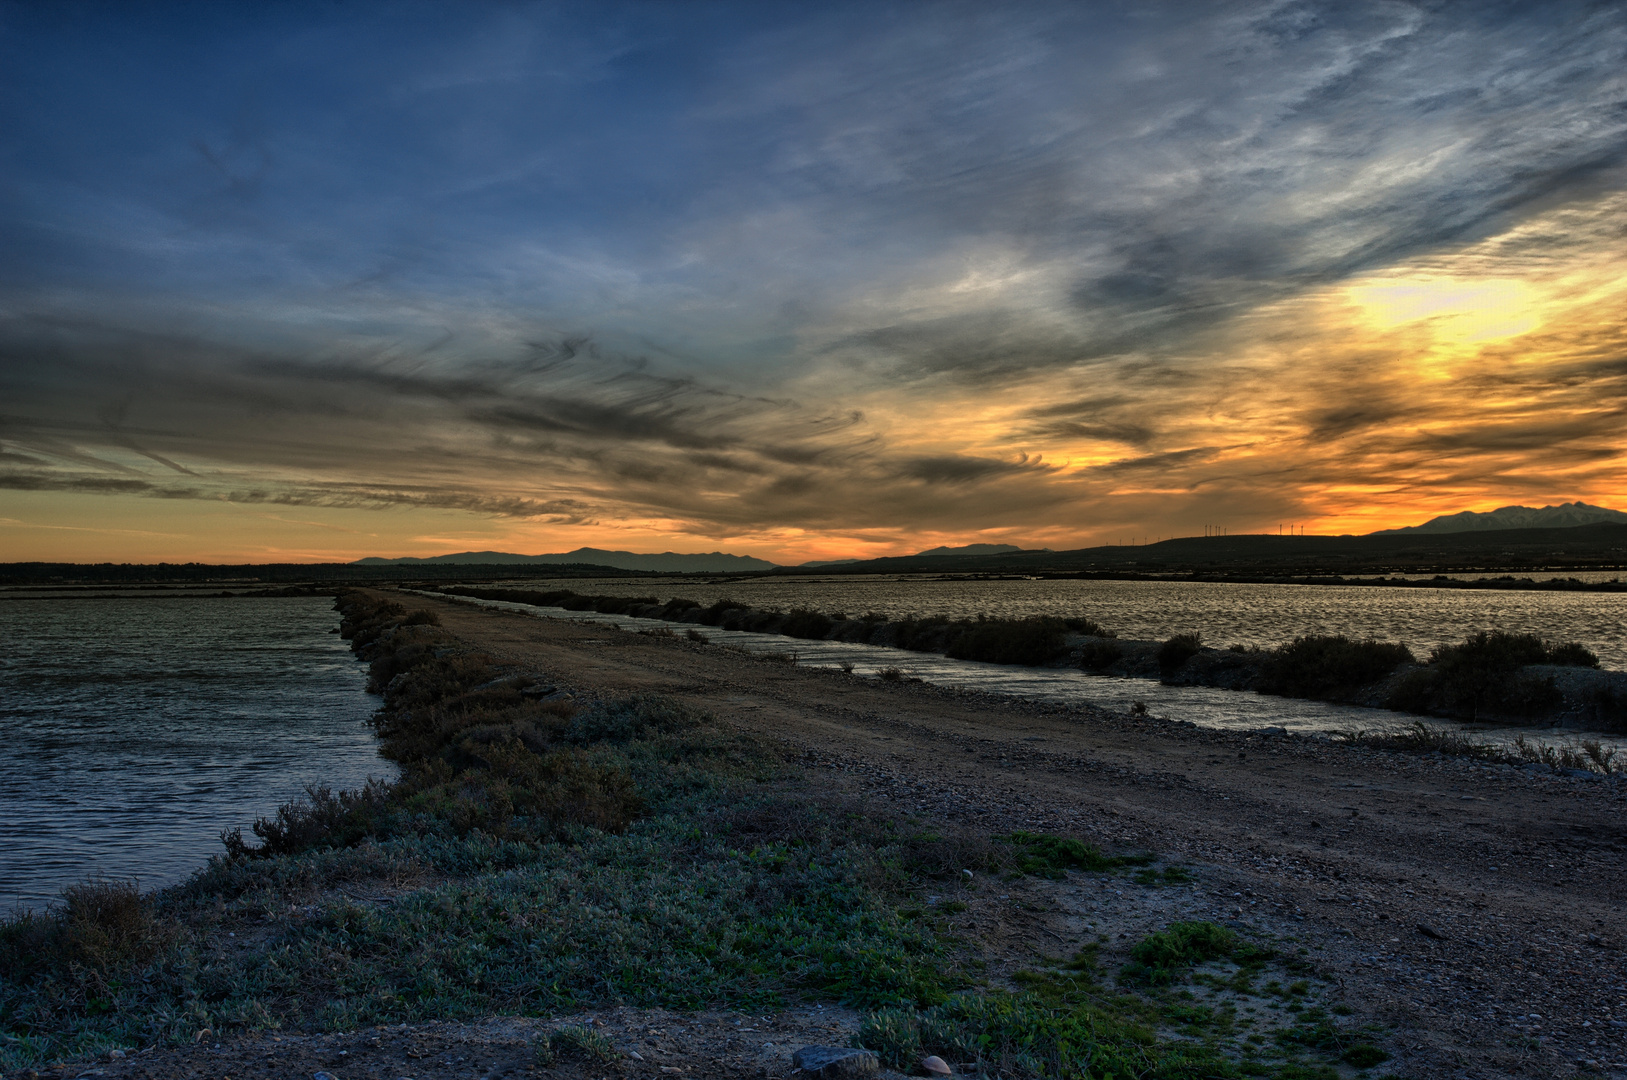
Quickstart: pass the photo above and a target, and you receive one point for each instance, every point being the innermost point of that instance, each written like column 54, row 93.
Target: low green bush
column 1044, row 855
column 1174, row 653
column 1484, row 675
column 1162, row 958
column 803, row 623
column 1009, row 641
column 1330, row 668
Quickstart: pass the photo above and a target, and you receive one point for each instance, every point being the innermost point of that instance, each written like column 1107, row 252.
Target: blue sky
column 797, row 280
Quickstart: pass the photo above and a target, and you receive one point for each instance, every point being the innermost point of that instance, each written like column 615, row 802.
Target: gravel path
column 1477, row 910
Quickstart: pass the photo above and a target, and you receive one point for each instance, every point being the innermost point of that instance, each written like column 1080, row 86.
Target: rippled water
column 1263, row 615
column 136, row 729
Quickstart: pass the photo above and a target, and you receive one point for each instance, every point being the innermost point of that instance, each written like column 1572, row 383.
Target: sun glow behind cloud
column 807, row 283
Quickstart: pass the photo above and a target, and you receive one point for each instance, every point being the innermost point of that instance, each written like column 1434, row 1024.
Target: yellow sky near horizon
column 1469, row 379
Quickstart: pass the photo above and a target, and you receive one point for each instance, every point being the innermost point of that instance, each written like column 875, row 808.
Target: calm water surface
column 1263, row 615
column 136, row 729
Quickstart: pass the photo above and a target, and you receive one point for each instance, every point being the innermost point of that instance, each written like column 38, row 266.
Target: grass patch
column 1063, row 1022
column 1047, row 856
column 1587, row 755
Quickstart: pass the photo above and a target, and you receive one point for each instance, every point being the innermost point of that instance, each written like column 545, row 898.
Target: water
column 1200, row 705
column 136, row 729
column 1225, row 614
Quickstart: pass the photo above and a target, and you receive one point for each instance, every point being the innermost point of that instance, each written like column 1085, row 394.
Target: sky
column 318, row 281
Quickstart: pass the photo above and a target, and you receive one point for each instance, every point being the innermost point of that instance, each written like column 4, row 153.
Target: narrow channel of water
column 1201, row 705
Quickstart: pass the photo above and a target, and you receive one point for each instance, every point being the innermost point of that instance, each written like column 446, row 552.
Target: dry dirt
column 1476, row 910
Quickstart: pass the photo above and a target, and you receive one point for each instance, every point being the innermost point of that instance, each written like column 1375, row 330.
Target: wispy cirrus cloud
column 819, row 276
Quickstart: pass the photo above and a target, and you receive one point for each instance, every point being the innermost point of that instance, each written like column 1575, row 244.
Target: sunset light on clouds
column 325, row 281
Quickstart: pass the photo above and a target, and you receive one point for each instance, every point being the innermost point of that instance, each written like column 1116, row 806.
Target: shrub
column 638, row 717
column 695, row 635
column 803, row 623
column 1097, row 655
column 1330, row 668
column 101, row 925
column 1044, row 855
column 1174, row 653
column 322, row 819
column 1159, row 959
column 1010, row 641
column 890, row 674
column 1572, row 654
column 1482, row 674
column 1088, row 627
column 714, row 614
column 105, row 923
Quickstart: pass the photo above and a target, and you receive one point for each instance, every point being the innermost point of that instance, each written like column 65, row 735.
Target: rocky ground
column 1474, row 910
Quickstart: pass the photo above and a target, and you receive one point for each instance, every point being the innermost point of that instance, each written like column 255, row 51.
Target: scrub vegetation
column 997, row 641
column 542, row 854
column 1186, row 1006
column 1493, row 675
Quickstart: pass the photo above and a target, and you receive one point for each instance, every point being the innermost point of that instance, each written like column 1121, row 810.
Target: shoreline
column 1572, row 696
column 982, row 767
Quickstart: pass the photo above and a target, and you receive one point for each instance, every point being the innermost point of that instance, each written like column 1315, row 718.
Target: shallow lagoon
column 136, row 729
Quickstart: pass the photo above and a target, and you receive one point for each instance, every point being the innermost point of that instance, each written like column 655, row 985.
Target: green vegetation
column 1163, row 958
column 1331, row 668
column 539, row 857
column 1043, row 855
column 998, row 641
column 1174, row 653
column 533, row 858
column 1064, row 1023
column 1009, row 641
column 1484, row 675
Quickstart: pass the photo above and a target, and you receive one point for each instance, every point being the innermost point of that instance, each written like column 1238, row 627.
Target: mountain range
column 1565, row 515
column 1562, row 516
column 667, row 562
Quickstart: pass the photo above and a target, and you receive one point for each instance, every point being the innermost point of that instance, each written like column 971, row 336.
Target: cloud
column 846, row 270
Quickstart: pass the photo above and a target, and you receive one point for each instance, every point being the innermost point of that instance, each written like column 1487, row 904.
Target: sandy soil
column 1477, row 910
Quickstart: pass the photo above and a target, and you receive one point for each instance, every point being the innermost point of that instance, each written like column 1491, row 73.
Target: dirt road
column 1477, row 909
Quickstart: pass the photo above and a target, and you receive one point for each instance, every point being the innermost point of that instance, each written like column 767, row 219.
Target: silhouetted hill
column 1563, row 516
column 667, row 562
column 1581, row 547
column 972, row 549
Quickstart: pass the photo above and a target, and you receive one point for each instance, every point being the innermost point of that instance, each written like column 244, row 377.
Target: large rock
column 835, row 1062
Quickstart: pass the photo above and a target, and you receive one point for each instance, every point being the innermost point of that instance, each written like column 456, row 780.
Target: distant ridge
column 1563, row 516
column 667, row 562
column 972, row 549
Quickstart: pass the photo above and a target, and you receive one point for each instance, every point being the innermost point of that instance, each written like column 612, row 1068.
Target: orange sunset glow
column 829, row 322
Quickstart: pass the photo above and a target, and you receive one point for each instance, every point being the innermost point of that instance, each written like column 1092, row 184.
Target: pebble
column 936, row 1066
